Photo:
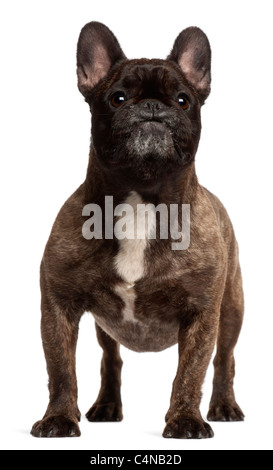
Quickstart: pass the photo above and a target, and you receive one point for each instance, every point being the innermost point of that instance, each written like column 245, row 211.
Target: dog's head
column 145, row 113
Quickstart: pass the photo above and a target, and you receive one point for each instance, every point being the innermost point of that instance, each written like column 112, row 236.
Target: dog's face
column 145, row 122
column 145, row 113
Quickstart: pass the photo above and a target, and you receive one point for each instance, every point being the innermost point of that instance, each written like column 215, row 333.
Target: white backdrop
column 45, row 132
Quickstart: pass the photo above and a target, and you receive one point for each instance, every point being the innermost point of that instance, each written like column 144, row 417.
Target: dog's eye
column 183, row 102
column 118, row 99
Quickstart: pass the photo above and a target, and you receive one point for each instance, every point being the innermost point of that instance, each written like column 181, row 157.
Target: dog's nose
column 152, row 110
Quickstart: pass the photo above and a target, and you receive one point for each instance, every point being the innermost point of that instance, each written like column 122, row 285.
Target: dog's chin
column 145, row 156
column 150, row 138
column 146, row 152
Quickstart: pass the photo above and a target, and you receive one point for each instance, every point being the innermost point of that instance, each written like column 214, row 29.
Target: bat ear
column 97, row 51
column 191, row 51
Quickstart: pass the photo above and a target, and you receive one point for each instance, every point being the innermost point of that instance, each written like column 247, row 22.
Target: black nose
column 152, row 110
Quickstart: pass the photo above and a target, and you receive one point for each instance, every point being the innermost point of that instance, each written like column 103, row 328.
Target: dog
column 143, row 292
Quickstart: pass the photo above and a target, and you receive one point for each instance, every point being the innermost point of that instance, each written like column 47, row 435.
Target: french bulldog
column 142, row 292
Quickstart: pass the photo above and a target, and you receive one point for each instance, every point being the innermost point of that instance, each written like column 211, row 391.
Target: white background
column 45, row 131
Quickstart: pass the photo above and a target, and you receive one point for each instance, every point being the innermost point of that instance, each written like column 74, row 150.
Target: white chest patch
column 130, row 262
column 128, row 295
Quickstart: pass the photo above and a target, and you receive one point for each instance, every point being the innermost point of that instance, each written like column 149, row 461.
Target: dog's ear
column 191, row 50
column 98, row 50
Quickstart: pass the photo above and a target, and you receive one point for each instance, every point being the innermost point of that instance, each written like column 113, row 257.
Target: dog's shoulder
column 66, row 244
column 67, row 220
column 222, row 216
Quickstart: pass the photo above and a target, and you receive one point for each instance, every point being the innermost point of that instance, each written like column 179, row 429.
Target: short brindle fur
column 145, row 133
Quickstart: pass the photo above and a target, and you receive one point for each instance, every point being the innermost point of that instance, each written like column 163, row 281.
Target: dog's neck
column 180, row 189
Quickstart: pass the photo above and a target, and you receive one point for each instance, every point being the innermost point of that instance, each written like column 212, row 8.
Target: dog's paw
column 225, row 412
column 55, row 426
column 105, row 412
column 187, row 428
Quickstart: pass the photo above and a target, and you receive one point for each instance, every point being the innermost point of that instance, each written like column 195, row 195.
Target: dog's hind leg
column 108, row 406
column 223, row 406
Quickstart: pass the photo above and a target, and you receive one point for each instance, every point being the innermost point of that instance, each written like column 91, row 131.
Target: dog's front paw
column 105, row 412
column 225, row 412
column 55, row 426
column 187, row 428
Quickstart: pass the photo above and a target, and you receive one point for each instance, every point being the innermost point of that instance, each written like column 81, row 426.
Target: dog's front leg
column 196, row 343
column 59, row 334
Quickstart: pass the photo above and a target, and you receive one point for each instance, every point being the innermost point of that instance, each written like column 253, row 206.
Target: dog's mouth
column 152, row 126
column 145, row 139
column 147, row 151
column 150, row 138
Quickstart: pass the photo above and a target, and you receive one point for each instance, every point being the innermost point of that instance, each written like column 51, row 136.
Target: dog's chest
column 130, row 260
column 138, row 324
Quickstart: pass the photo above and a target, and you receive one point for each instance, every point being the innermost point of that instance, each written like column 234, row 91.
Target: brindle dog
column 143, row 294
